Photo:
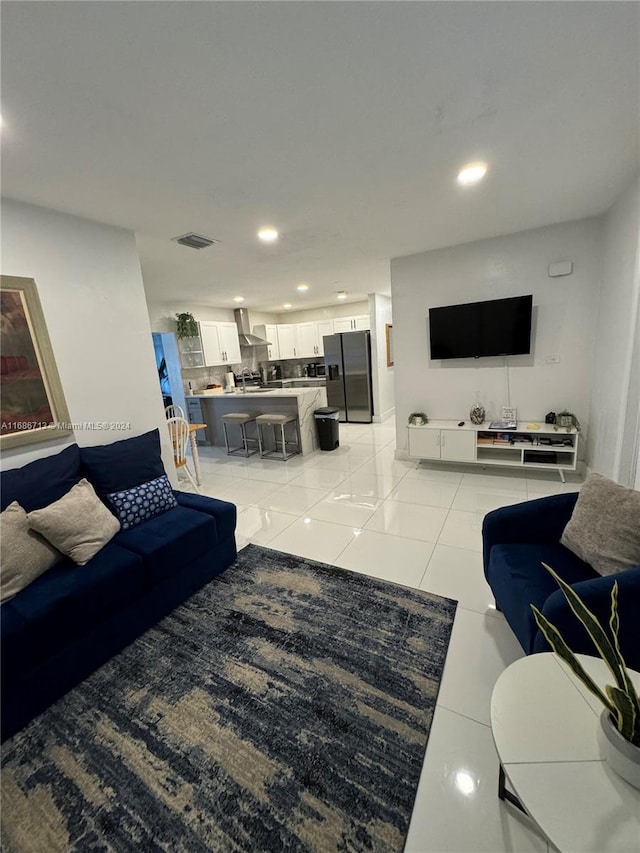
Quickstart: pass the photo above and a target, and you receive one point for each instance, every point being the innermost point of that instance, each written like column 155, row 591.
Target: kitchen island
column 301, row 401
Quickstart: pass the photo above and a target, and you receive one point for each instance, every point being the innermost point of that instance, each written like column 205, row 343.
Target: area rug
column 286, row 706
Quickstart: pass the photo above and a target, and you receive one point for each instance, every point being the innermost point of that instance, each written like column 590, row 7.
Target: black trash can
column 327, row 420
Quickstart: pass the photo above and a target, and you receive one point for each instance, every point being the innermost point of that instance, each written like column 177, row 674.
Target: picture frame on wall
column 33, row 407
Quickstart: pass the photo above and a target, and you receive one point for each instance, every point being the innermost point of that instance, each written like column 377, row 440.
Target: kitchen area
column 229, row 366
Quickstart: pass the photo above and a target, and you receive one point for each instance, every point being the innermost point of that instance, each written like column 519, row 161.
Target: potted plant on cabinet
column 567, row 420
column 418, row 419
column 619, row 732
column 186, row 325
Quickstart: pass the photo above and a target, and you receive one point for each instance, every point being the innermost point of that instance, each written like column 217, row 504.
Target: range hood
column 244, row 330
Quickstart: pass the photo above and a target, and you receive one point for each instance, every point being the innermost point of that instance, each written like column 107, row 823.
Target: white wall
column 162, row 315
column 563, row 324
column 327, row 312
column 383, row 376
column 615, row 388
column 90, row 286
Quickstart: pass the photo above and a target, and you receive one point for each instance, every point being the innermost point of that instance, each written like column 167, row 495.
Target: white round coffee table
column 545, row 726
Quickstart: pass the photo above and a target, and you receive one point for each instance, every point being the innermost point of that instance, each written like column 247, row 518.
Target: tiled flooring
column 420, row 525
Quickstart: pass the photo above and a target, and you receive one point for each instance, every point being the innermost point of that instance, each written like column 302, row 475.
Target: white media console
column 529, row 445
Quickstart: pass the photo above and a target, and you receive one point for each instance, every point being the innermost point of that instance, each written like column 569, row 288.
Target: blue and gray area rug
column 284, row 707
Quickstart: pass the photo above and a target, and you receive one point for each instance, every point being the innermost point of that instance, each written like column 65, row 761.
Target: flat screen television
column 477, row 329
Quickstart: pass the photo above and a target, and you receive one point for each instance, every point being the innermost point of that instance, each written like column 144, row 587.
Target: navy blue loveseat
column 516, row 541
column 72, row 619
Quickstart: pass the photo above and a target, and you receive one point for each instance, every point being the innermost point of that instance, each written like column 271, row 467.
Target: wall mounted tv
column 477, row 329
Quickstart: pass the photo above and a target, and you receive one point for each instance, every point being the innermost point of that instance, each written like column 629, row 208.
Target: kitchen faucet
column 245, row 370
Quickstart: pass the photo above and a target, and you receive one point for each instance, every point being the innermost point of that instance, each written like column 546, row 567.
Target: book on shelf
column 503, row 425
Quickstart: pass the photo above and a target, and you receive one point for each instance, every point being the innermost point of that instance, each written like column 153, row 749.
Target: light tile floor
column 417, row 524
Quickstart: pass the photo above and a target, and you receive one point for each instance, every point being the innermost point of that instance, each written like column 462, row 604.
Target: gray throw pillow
column 25, row 555
column 78, row 524
column 604, row 529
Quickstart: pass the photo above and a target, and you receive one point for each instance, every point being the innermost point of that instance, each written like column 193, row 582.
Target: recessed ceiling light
column 341, row 294
column 471, row 174
column 302, row 287
column 268, row 235
column 287, row 305
column 238, row 298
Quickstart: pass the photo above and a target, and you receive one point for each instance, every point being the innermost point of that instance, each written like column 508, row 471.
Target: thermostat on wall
column 560, row 268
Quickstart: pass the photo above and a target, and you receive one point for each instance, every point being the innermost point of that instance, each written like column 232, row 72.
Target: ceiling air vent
column 195, row 241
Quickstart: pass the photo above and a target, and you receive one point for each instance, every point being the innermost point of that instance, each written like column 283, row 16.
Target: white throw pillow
column 24, row 554
column 78, row 524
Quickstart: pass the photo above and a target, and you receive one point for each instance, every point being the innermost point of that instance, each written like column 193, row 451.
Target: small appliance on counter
column 311, row 371
column 251, row 379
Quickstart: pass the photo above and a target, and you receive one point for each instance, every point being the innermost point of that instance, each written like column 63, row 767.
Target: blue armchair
column 516, row 541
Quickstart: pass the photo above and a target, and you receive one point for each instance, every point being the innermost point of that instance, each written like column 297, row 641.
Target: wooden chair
column 174, row 412
column 179, row 433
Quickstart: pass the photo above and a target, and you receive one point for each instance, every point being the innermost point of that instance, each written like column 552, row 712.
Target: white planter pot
column 623, row 757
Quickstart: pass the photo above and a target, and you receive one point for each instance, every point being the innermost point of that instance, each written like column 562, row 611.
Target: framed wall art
column 32, row 402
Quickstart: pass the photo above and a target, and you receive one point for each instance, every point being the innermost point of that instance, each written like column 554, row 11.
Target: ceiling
column 343, row 125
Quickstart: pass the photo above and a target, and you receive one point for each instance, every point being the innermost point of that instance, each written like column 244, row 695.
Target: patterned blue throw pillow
column 142, row 502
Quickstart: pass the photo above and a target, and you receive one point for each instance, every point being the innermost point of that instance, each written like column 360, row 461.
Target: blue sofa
column 516, row 541
column 72, row 619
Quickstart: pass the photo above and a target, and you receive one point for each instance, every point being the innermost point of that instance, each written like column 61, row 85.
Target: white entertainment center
column 530, row 445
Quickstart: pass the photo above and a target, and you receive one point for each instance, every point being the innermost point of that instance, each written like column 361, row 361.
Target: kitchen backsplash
column 200, row 377
column 293, row 368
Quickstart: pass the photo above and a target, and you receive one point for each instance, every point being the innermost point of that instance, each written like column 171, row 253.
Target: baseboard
column 378, row 419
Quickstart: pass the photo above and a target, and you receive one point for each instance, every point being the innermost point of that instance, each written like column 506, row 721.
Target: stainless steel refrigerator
column 347, row 359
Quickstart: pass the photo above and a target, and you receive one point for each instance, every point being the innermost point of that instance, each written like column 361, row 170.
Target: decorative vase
column 621, row 755
column 477, row 414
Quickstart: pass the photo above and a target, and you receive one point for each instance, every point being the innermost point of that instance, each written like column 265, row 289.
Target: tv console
column 530, row 445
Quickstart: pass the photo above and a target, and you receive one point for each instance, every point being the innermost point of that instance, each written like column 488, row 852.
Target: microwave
column 321, row 370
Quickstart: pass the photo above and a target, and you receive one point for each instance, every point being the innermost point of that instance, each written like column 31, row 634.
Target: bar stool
column 279, row 419
column 241, row 419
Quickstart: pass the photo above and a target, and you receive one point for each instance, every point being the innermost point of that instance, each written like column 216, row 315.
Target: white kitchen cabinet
column 359, row 323
column 323, row 327
column 307, row 340
column 190, row 349
column 288, row 341
column 220, row 343
column 344, row 324
column 269, row 333
column 230, row 343
column 210, row 336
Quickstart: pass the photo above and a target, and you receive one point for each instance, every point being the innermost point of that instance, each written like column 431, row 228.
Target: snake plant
column 621, row 699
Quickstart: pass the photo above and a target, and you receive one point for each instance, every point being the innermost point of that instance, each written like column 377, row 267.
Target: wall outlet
column 553, row 359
